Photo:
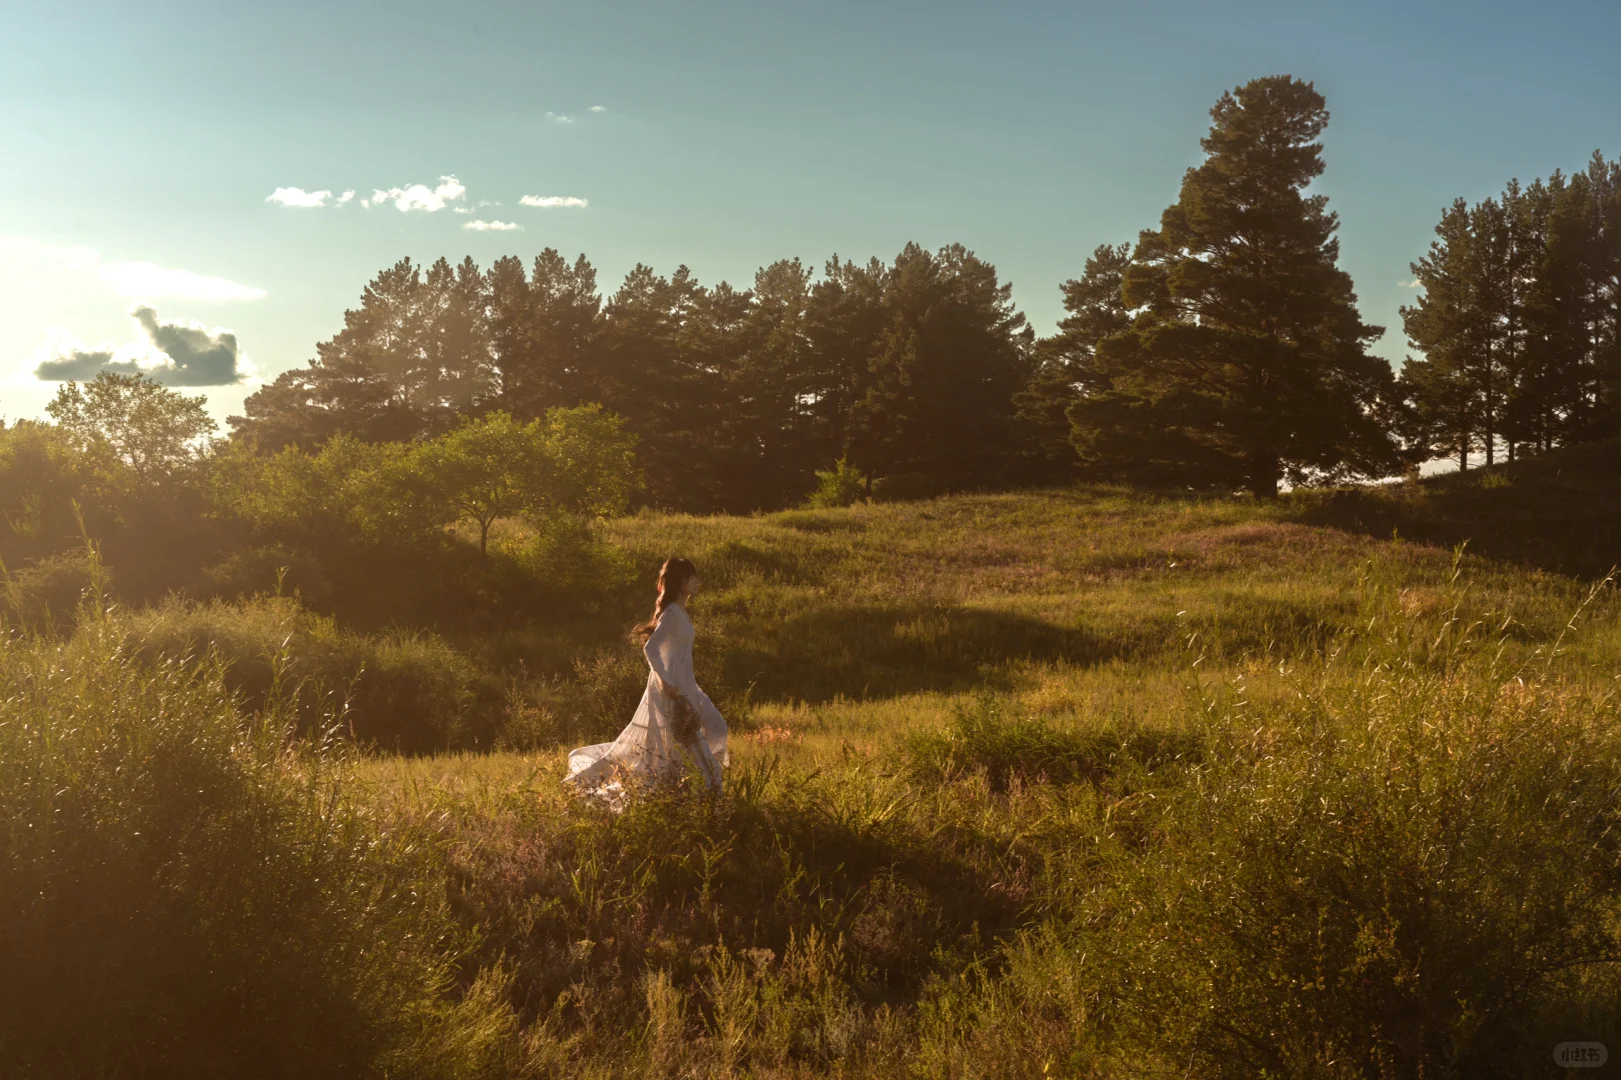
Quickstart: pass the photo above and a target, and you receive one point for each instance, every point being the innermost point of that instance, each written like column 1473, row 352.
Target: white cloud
column 492, row 226
column 309, row 200
column 548, row 202
column 1412, row 283
column 133, row 279
column 149, row 281
column 599, row 108
column 292, row 196
column 419, row 196
column 559, row 118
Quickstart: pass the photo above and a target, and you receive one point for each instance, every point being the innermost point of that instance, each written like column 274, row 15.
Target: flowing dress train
column 647, row 750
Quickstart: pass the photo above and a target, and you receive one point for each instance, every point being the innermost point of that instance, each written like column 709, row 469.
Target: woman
column 675, row 723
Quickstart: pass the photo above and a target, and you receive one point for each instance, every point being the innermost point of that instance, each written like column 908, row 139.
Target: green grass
column 1084, row 783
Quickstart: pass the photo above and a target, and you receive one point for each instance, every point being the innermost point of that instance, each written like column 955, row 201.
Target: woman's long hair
column 673, row 578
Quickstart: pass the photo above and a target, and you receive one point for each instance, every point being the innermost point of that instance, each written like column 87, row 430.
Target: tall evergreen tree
column 938, row 401
column 1444, row 325
column 544, row 329
column 768, row 426
column 1065, row 365
column 1247, row 361
column 409, row 361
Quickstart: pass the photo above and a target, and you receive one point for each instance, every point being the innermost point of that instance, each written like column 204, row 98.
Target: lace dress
column 648, row 750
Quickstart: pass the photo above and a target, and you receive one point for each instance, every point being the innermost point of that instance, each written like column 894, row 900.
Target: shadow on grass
column 573, row 908
column 1559, row 512
column 892, row 650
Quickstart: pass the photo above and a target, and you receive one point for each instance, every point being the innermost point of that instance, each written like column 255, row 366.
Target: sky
column 162, row 164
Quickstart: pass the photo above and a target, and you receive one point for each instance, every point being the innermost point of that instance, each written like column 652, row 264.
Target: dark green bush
column 263, row 571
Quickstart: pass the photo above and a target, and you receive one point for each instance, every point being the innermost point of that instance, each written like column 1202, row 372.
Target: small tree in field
column 593, row 461
column 483, row 469
column 131, row 421
column 575, row 461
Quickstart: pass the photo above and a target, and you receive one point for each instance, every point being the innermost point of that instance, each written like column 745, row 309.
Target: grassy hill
column 1084, row 783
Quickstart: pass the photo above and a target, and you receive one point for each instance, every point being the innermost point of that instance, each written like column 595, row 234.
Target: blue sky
column 139, row 143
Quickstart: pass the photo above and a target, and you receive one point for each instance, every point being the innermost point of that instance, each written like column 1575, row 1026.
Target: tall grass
column 1398, row 857
column 184, row 892
column 1084, row 784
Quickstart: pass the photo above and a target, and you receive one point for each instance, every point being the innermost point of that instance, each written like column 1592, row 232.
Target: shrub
column 45, row 597
column 262, row 571
column 407, row 692
column 983, row 737
column 180, row 896
column 842, row 485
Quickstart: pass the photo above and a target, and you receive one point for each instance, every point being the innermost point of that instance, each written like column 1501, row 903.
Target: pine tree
column 1066, row 364
column 938, row 403
column 414, row 357
column 544, row 329
column 1247, row 361
column 1442, row 325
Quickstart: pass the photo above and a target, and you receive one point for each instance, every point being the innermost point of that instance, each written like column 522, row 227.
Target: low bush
column 182, row 895
column 46, row 595
column 406, row 692
column 266, row 571
column 842, row 485
column 1404, row 874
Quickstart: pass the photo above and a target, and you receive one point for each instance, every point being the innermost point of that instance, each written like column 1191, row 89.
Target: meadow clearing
column 1081, row 782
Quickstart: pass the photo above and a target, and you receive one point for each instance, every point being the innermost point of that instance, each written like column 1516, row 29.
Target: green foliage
column 129, row 421
column 938, row 395
column 1370, row 880
column 46, row 596
column 482, row 469
column 184, row 894
column 408, row 692
column 43, row 479
column 842, row 485
column 593, row 468
column 1516, row 323
column 1067, row 366
column 1246, row 359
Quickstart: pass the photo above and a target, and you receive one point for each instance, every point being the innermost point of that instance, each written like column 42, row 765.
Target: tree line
column 1224, row 349
column 736, row 397
column 1520, row 320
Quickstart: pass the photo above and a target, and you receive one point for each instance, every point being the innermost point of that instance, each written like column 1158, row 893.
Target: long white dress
column 647, row 750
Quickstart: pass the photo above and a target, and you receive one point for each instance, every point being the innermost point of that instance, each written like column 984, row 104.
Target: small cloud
column 345, row 197
column 599, row 108
column 1411, row 283
column 559, row 118
column 148, row 281
column 492, row 226
column 419, row 196
column 175, row 353
column 298, row 197
column 548, row 202
column 462, row 210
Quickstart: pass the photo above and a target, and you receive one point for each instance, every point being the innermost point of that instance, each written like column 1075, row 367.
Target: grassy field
column 1084, row 783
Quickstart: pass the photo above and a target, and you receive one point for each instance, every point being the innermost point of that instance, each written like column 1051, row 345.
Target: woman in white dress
column 676, row 725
